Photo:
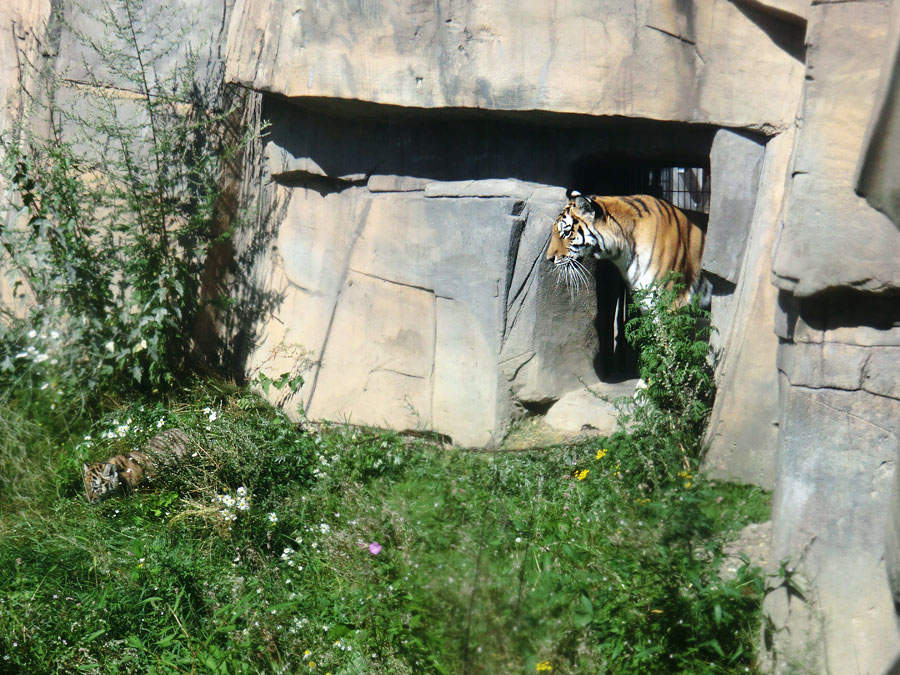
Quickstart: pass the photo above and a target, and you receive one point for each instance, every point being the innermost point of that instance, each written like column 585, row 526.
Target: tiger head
column 101, row 480
column 579, row 231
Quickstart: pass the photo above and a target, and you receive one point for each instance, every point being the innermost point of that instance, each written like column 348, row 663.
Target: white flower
column 45, row 385
column 22, row 355
column 273, row 518
column 32, row 333
column 242, row 504
column 140, row 346
column 40, row 358
column 54, row 334
column 324, row 528
column 161, row 423
column 242, row 491
column 110, row 346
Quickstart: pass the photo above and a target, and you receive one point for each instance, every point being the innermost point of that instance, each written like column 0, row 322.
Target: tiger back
column 124, row 473
column 646, row 238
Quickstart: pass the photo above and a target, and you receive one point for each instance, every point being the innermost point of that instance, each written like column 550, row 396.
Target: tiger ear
column 84, row 469
column 572, row 194
column 597, row 206
column 109, row 470
column 583, row 204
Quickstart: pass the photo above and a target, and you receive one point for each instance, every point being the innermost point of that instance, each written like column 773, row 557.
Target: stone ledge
column 480, row 189
column 383, row 183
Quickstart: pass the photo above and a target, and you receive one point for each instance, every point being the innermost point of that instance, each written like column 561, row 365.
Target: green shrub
column 111, row 214
column 668, row 414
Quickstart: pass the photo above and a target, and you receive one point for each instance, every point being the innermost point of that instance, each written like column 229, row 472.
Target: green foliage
column 668, row 414
column 112, row 215
column 488, row 562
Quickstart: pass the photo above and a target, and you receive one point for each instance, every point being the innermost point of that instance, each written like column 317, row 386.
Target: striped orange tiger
column 644, row 237
column 124, row 473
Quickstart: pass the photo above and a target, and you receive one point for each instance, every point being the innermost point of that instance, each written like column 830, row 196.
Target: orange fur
column 122, row 473
column 644, row 237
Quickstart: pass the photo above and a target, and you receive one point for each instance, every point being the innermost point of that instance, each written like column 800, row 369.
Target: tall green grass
column 384, row 554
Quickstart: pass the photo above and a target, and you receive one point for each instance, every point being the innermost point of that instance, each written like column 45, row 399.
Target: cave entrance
column 685, row 184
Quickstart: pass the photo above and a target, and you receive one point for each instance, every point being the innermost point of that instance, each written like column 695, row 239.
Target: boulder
column 592, row 409
column 831, row 238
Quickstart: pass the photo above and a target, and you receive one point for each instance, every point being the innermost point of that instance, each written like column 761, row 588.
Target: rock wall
column 414, row 294
column 397, row 175
column 23, row 25
column 838, row 324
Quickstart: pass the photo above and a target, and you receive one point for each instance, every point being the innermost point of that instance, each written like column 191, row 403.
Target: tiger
column 646, row 238
column 123, row 474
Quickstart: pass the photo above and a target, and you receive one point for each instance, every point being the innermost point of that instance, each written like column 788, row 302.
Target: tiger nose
column 553, row 251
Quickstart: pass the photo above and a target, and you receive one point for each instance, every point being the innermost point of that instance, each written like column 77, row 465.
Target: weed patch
column 362, row 552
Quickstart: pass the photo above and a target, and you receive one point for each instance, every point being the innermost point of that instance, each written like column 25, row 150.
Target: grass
column 488, row 562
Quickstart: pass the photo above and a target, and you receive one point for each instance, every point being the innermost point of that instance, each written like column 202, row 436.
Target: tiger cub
column 124, row 473
column 644, row 237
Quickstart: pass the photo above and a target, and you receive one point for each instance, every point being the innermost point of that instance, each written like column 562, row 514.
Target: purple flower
column 374, row 548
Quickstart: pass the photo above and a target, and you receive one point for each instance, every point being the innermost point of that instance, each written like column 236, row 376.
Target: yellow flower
column 543, row 665
column 688, row 484
column 581, row 475
column 306, row 653
column 601, row 453
column 311, row 664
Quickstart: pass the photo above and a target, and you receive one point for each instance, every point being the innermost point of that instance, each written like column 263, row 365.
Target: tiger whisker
column 576, row 277
column 582, row 272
